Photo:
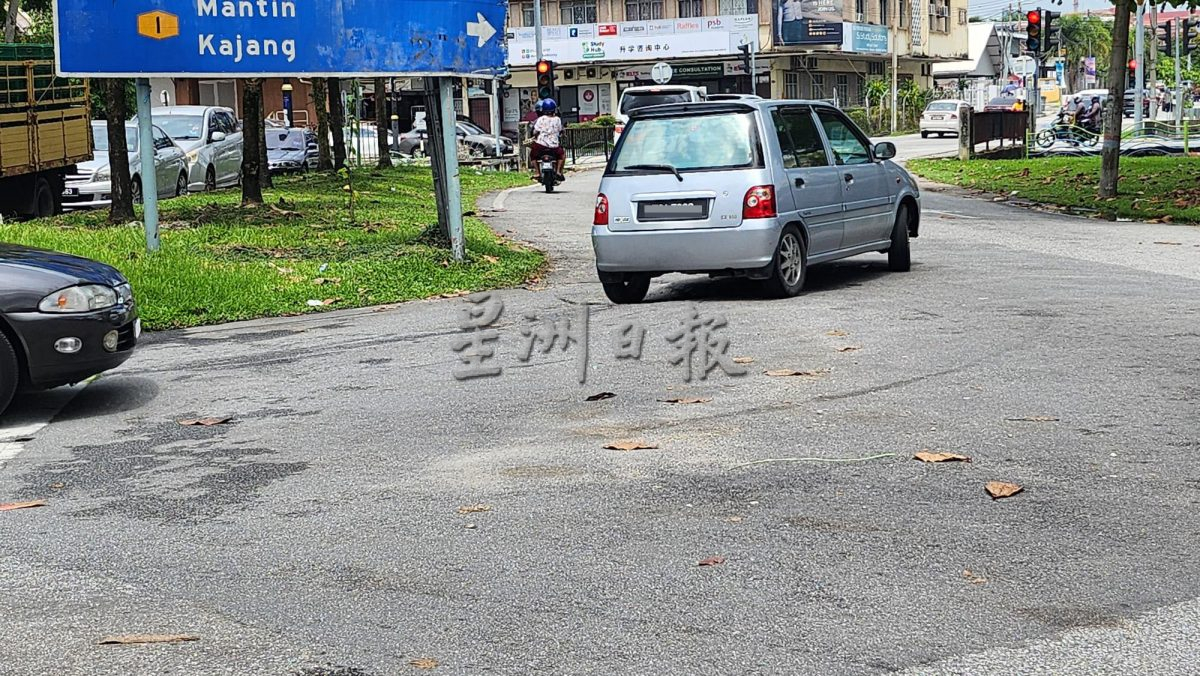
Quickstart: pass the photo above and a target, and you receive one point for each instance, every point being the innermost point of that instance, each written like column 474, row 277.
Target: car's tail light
column 619, row 129
column 953, row 116
column 759, row 202
column 601, row 217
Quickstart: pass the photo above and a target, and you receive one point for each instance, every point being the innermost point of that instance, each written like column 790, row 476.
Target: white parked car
column 941, row 117
column 656, row 95
column 212, row 140
column 90, row 184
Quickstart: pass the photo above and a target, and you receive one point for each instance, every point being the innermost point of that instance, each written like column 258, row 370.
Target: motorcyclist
column 1091, row 119
column 547, row 131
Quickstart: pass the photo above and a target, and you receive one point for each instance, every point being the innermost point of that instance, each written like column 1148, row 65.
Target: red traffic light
column 543, row 66
column 1133, row 64
column 1034, row 16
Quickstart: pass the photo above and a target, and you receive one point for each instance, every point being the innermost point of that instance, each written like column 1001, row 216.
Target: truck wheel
column 44, row 203
column 9, row 373
column 899, row 255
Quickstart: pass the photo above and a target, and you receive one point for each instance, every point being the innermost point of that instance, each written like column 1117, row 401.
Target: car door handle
column 799, row 183
column 848, row 177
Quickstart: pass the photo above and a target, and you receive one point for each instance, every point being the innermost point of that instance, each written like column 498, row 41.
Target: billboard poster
column 1089, row 70
column 809, row 22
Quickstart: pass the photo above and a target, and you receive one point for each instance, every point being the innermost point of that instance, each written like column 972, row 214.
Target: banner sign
column 808, row 22
column 635, row 40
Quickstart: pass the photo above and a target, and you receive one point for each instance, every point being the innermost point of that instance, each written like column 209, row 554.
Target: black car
column 1127, row 111
column 291, row 150
column 63, row 319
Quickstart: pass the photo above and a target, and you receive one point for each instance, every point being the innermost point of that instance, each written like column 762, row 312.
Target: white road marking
column 25, row 419
column 498, row 203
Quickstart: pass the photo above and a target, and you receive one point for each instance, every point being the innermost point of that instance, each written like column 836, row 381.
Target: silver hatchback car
column 760, row 189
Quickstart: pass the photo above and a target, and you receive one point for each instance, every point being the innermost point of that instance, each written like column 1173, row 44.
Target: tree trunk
column 10, row 22
column 320, row 98
column 252, row 142
column 121, row 187
column 337, row 122
column 382, row 122
column 1110, row 163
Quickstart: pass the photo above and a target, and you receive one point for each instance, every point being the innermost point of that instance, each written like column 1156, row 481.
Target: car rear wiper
column 658, row 167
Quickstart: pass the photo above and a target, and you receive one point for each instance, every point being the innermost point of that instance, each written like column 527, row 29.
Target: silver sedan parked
column 90, row 184
column 775, row 186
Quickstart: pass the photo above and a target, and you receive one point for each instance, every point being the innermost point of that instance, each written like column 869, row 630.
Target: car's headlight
column 192, row 155
column 102, row 174
column 83, row 298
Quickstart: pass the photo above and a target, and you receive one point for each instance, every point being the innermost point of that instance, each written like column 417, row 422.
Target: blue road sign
column 247, row 38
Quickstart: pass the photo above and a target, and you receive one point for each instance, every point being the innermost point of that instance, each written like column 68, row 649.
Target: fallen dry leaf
column 204, row 422
column 713, row 561
column 787, row 373
column 491, row 259
column 600, row 396
column 630, row 445
column 9, row 506
column 838, row 333
column 327, row 280
column 734, row 519
column 424, row 663
column 330, row 301
column 1024, row 172
column 848, row 348
column 147, row 638
column 1034, row 418
column 743, row 360
column 930, row 456
column 474, row 509
column 685, row 400
column 971, row 577
column 1001, row 489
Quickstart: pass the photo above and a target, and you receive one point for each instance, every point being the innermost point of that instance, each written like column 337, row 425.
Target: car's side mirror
column 312, row 146
column 885, row 150
column 216, row 136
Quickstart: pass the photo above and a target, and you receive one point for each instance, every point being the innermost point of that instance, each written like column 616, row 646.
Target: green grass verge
column 1163, row 189
column 220, row 262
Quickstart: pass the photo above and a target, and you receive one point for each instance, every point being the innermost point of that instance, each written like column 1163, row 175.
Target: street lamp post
column 287, row 103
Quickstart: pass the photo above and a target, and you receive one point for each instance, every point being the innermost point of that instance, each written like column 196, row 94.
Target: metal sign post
column 450, row 177
column 1140, row 82
column 147, row 154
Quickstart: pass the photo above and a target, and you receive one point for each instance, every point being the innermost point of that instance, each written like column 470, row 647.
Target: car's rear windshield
column 634, row 100
column 1002, row 101
column 943, row 106
column 100, row 138
column 704, row 142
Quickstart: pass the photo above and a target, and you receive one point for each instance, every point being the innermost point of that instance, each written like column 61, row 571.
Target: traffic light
column 1051, row 37
column 1189, row 35
column 1165, row 39
column 1033, row 31
column 545, row 79
column 745, row 50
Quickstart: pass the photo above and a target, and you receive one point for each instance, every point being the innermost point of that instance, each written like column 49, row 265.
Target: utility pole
column 1140, row 79
column 147, row 156
column 1178, row 75
column 537, row 28
column 895, row 30
column 1153, row 58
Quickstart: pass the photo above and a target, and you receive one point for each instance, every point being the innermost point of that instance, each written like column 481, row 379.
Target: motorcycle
column 1063, row 130
column 549, row 171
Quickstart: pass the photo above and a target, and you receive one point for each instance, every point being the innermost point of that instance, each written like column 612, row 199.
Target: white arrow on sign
column 481, row 29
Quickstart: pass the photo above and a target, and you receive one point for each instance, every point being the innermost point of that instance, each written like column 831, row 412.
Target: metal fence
column 998, row 125
column 580, row 143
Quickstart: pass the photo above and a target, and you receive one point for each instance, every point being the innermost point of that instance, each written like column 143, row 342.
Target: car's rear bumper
column 48, row 367
column 947, row 126
column 751, row 245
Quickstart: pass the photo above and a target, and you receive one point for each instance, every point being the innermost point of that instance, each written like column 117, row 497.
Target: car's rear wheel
column 181, row 184
column 632, row 289
column 790, row 265
column 924, row 134
column 899, row 255
column 136, row 189
column 9, row 372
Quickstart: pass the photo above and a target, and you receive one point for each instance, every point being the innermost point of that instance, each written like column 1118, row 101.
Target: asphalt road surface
column 319, row 532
